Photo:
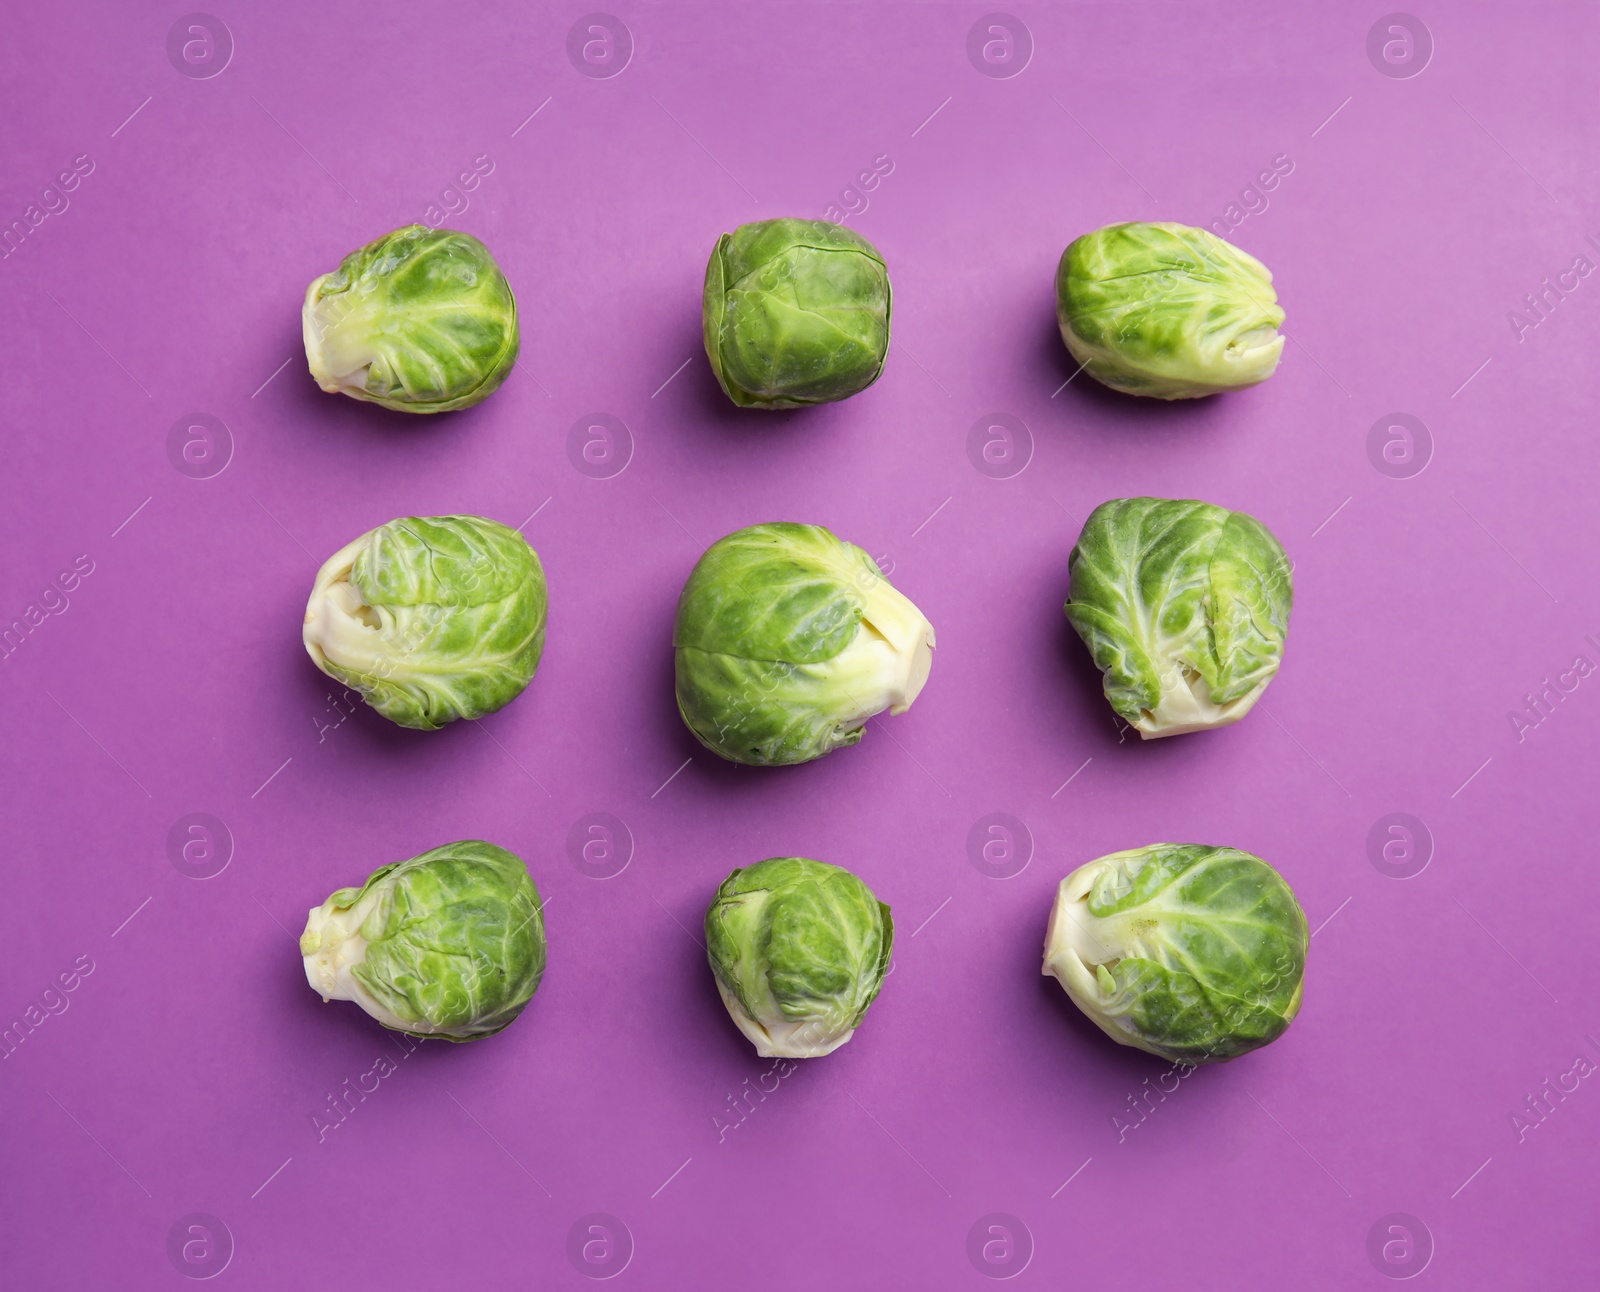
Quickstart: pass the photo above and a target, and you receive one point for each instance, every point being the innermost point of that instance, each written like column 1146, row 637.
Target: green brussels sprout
column 421, row 321
column 796, row 312
column 1167, row 311
column 430, row 618
column 1189, row 952
column 1184, row 607
column 448, row 944
column 788, row 640
column 799, row 949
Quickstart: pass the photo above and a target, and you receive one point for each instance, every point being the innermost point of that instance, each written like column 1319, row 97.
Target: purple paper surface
column 1432, row 225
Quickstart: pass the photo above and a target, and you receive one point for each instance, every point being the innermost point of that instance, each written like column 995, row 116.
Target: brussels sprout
column 1184, row 607
column 430, row 618
column 448, row 944
column 421, row 321
column 796, row 312
column 799, row 949
column 1167, row 311
column 1189, row 952
column 788, row 640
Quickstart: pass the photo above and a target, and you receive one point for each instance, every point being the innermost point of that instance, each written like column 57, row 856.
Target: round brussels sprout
column 1184, row 607
column 1167, row 311
column 799, row 949
column 430, row 618
column 1192, row 953
column 796, row 312
column 448, row 944
column 421, row 321
column 788, row 640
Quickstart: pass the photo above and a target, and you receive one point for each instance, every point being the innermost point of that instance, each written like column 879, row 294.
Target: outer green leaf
column 431, row 618
column 787, row 640
column 799, row 949
column 1168, row 311
column 1184, row 607
column 796, row 312
column 450, row 943
column 1190, row 952
column 421, row 321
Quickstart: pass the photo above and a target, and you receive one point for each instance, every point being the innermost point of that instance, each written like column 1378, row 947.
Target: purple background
column 186, row 1068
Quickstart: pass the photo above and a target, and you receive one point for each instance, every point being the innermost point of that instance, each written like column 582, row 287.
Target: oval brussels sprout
column 448, row 944
column 796, row 312
column 1184, row 607
column 799, row 949
column 788, row 640
column 1189, row 952
column 1167, row 311
column 421, row 321
column 430, row 618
